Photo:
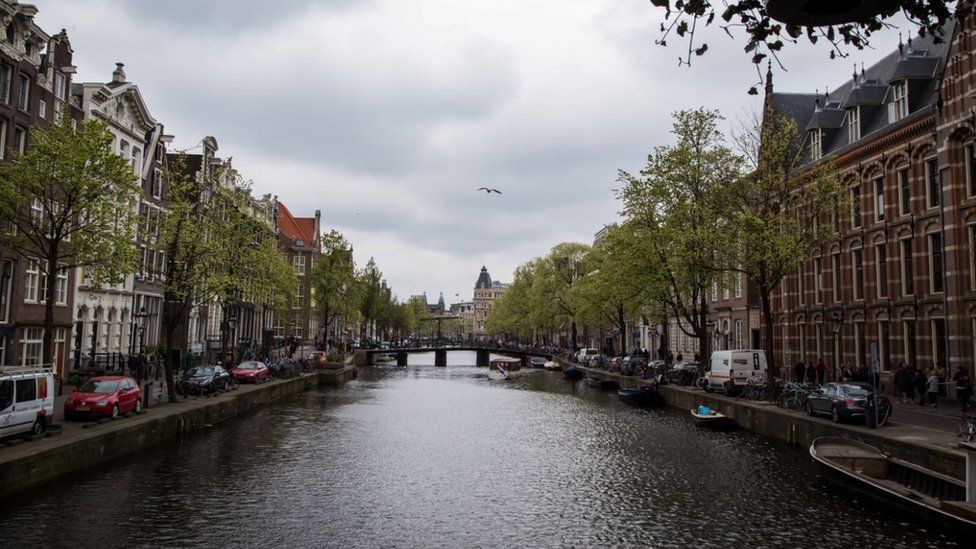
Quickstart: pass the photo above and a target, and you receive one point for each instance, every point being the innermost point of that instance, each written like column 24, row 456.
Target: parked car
column 251, row 371
column 26, row 400
column 584, row 355
column 632, row 365
column 205, row 379
column 845, row 400
column 684, row 373
column 730, row 370
column 106, row 396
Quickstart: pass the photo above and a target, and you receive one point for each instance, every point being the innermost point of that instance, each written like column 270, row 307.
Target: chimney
column 118, row 75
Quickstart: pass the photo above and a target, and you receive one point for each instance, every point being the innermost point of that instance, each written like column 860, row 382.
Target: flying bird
column 489, row 191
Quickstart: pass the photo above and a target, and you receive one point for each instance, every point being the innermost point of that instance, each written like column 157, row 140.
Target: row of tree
column 701, row 213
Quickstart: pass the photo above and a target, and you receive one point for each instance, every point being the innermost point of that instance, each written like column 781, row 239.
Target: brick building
column 300, row 239
column 898, row 283
column 486, row 292
column 35, row 77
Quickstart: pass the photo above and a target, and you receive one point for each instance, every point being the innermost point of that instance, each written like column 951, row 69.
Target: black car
column 205, row 379
column 845, row 400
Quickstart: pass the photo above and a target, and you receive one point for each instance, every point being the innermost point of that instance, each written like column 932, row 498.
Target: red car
column 104, row 397
column 251, row 371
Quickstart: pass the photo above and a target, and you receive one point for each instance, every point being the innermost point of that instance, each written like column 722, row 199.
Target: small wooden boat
column 382, row 358
column 573, row 373
column 897, row 482
column 504, row 368
column 638, row 396
column 706, row 416
column 552, row 365
column 537, row 362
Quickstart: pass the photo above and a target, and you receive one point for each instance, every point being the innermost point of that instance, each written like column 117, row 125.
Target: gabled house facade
column 300, row 240
column 35, row 79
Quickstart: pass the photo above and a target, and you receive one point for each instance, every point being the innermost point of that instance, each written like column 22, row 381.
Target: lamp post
column 836, row 322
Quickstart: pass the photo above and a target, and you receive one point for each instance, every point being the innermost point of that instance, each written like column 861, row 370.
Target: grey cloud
column 225, row 16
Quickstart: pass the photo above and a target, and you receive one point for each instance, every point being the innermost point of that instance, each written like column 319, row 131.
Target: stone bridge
column 367, row 357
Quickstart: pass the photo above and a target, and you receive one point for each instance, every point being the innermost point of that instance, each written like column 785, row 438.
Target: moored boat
column 552, row 365
column 704, row 415
column 638, row 396
column 383, row 357
column 504, row 368
column 537, row 362
column 573, row 373
column 897, row 482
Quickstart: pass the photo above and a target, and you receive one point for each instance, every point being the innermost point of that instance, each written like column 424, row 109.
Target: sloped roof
column 484, row 280
column 295, row 228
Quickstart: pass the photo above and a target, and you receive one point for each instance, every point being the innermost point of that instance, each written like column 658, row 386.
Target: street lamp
column 836, row 322
column 140, row 319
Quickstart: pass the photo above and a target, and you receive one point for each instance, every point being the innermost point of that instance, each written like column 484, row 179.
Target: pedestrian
column 899, row 381
column 964, row 388
column 920, row 383
column 812, row 372
column 821, row 372
column 189, row 360
column 932, row 388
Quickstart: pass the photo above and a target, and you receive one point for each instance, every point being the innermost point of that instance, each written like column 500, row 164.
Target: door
column 6, row 407
column 25, row 404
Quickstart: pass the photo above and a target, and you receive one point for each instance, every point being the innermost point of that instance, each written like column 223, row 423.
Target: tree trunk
column 47, row 345
column 572, row 336
column 168, row 365
column 623, row 328
column 772, row 369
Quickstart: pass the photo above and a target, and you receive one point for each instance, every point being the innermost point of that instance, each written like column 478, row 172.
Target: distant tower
column 440, row 304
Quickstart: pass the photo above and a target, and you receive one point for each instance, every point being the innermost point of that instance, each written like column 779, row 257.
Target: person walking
column 812, row 372
column 798, row 370
column 899, row 382
column 964, row 388
column 821, row 372
column 932, row 388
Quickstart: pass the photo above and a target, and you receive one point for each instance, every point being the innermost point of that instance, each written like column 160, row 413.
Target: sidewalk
column 945, row 418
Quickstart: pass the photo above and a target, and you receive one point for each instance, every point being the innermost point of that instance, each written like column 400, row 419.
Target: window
column 932, row 182
column 854, row 124
column 939, row 341
column 818, row 280
column 836, row 281
column 882, row 267
column 37, row 211
column 26, row 390
column 879, row 204
column 899, row 103
column 6, row 82
column 136, row 161
column 23, row 92
column 61, row 287
column 299, row 296
column 858, row 345
column 157, row 183
column 299, row 261
column 60, row 87
column 857, row 266
column 908, row 341
column 124, row 148
column 800, row 289
column 714, row 291
column 6, row 284
column 906, row 191
column 816, row 144
column 3, row 138
column 60, row 339
column 42, row 109
column 20, row 139
column 31, row 347
column 738, row 334
column 935, row 262
column 738, row 284
column 856, row 206
column 907, row 268
column 32, row 281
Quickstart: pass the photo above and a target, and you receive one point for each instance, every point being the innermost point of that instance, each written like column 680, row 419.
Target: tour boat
column 504, row 368
column 706, row 416
column 898, row 482
column 638, row 396
column 552, row 365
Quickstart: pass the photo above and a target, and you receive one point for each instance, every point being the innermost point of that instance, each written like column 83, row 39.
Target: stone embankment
column 27, row 464
column 931, row 449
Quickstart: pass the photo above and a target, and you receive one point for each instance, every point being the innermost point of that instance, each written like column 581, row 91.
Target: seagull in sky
column 489, row 191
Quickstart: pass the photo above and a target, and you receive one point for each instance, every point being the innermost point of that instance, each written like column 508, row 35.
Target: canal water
column 443, row 457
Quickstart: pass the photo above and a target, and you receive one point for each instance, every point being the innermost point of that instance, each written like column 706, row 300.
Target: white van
column 732, row 369
column 26, row 400
column 585, row 355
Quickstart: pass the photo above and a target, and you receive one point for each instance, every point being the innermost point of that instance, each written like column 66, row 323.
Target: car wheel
column 138, row 405
column 115, row 411
column 38, row 428
column 810, row 411
column 835, row 414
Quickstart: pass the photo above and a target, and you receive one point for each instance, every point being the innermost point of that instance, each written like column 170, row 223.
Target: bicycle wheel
column 967, row 430
column 884, row 416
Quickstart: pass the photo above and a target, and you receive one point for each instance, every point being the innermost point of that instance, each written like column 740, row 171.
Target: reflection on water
column 443, row 457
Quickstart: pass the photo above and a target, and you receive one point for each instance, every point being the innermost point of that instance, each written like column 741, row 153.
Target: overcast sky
column 387, row 115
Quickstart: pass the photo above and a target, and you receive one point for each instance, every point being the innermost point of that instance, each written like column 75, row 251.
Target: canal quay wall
column 32, row 463
column 932, row 450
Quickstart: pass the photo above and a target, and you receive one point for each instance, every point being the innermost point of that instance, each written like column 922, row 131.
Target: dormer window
column 854, row 124
column 899, row 102
column 816, row 144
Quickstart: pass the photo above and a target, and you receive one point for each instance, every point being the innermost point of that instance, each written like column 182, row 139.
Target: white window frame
column 856, row 212
column 879, row 199
column 32, row 281
column 818, row 279
column 31, row 345
column 854, row 124
column 931, row 199
column 857, row 275
column 900, row 100
column 3, row 138
column 836, row 275
column 298, row 261
column 906, row 256
column 881, row 270
column 816, row 143
column 904, row 178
